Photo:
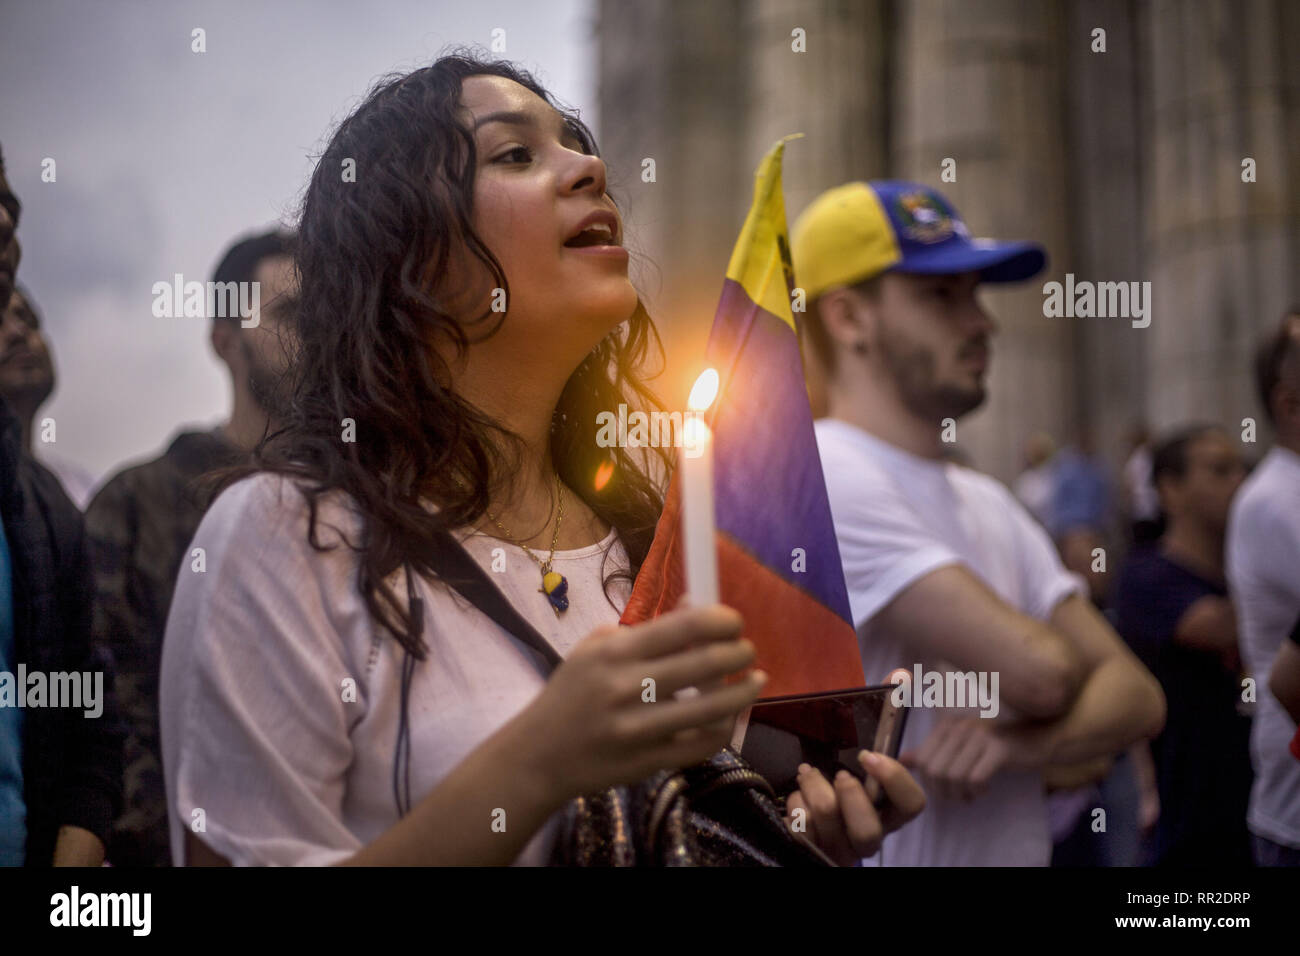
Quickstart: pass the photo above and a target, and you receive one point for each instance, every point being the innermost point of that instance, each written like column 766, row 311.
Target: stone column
column 1106, row 145
column 835, row 92
column 1223, row 254
column 980, row 81
column 673, row 90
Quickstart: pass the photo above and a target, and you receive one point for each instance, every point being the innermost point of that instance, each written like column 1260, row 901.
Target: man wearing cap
column 946, row 571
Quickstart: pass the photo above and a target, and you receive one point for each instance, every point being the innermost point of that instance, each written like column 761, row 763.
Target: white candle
column 697, row 495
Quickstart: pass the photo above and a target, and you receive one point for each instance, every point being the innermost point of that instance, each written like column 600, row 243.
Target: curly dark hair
column 372, row 258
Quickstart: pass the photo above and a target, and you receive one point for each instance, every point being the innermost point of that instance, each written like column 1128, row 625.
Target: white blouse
column 267, row 755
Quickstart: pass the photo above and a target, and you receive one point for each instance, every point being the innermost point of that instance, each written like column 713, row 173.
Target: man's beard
column 913, row 369
column 263, row 383
column 29, row 393
column 28, row 388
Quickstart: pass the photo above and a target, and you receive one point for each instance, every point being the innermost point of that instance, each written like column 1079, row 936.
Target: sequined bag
column 717, row 813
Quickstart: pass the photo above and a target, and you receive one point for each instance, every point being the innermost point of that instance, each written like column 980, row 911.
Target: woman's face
column 534, row 189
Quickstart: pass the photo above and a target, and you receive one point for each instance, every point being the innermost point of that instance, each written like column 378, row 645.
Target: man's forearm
column 1284, row 681
column 1071, row 776
column 1117, row 705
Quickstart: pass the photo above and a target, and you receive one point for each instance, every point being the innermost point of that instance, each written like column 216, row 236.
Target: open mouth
column 597, row 234
column 598, row 231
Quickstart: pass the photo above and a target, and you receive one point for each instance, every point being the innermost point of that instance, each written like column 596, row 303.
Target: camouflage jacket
column 140, row 525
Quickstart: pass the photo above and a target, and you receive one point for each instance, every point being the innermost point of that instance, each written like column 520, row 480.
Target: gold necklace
column 554, row 585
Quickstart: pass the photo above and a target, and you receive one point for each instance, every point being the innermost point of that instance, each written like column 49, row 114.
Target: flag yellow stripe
column 760, row 259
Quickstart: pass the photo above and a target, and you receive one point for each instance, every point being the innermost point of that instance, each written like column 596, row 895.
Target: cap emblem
column 921, row 219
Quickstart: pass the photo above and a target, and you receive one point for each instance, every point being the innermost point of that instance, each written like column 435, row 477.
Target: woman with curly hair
column 464, row 313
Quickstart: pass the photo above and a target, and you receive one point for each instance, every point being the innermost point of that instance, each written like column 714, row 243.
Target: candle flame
column 704, row 391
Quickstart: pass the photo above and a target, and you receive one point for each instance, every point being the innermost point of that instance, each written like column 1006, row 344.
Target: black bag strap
column 458, row 569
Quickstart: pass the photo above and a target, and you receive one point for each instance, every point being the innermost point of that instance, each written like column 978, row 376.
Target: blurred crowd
column 90, row 567
column 1152, row 539
column 1189, row 550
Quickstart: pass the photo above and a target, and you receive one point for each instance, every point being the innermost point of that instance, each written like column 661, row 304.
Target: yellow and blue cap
column 856, row 231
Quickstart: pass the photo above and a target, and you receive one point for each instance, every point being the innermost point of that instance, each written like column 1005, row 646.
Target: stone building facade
column 1127, row 164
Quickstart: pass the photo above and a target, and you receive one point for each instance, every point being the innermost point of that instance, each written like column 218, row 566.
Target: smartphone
column 825, row 730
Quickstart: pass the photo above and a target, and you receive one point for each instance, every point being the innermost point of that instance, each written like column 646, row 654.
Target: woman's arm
column 452, row 825
column 588, row 729
column 482, row 814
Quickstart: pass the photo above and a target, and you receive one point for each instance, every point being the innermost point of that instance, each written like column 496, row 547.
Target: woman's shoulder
column 253, row 572
column 273, row 508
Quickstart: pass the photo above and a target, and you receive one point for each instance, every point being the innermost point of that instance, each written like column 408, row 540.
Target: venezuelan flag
column 778, row 561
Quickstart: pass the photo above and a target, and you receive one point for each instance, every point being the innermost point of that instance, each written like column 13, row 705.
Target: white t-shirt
column 1264, row 580
column 899, row 517
column 1144, row 501
column 1034, row 488
column 255, row 728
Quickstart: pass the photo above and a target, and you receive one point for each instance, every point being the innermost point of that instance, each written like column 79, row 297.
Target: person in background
column 1141, row 503
column 27, row 381
column 944, row 567
column 1034, row 487
column 60, row 769
column 1284, row 682
column 1172, row 606
column 1263, row 558
column 10, row 249
column 143, row 518
column 1080, row 514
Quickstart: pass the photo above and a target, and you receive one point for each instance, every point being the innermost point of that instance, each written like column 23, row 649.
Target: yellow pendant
column 556, row 589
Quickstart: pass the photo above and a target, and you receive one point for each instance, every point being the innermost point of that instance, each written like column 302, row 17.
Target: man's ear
column 845, row 319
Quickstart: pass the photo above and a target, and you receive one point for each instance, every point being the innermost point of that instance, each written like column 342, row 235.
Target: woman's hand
column 838, row 815
column 608, row 714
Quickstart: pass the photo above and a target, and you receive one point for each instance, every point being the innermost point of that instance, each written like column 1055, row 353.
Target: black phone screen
column 824, row 730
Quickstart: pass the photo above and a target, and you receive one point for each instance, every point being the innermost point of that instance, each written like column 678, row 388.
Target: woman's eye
column 514, row 155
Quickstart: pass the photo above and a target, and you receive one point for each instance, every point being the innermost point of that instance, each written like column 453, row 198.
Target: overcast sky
column 165, row 155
